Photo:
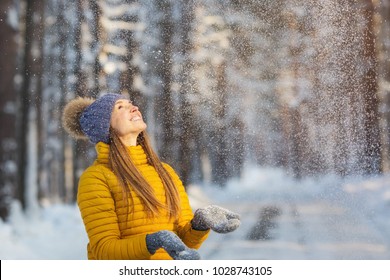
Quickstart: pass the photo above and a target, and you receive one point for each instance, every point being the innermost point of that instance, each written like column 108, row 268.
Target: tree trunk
column 165, row 104
column 8, row 110
column 384, row 80
column 189, row 136
column 30, row 100
column 372, row 149
column 220, row 172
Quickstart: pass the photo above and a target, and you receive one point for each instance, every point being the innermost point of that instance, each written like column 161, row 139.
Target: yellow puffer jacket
column 104, row 212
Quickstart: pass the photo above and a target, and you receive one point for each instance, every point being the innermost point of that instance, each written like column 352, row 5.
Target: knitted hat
column 86, row 118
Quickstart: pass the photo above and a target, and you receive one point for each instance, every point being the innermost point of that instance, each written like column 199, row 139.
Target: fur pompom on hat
column 87, row 118
column 71, row 115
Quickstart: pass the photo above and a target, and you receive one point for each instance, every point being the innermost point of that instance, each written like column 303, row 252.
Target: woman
column 133, row 206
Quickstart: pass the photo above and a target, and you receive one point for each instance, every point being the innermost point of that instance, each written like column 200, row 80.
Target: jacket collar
column 137, row 154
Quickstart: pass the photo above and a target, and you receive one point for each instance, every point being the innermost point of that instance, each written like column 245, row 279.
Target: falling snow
column 275, row 109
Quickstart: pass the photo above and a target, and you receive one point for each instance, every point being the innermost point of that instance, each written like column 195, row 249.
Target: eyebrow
column 122, row 100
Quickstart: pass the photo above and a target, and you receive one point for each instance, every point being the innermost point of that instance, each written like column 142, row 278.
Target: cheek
column 115, row 121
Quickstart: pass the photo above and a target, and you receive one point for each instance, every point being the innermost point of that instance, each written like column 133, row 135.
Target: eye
column 120, row 107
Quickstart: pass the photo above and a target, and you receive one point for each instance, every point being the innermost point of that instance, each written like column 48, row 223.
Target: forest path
column 302, row 227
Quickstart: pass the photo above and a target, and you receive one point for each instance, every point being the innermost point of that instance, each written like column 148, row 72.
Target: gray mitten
column 216, row 218
column 172, row 244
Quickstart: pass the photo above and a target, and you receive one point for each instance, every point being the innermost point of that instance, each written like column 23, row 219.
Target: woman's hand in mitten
column 216, row 218
column 172, row 244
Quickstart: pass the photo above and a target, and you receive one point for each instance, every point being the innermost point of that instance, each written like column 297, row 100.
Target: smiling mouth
column 136, row 118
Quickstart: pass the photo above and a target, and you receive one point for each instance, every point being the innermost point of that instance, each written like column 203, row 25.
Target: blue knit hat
column 87, row 118
column 95, row 119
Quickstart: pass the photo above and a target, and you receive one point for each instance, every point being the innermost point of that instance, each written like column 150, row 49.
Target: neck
column 129, row 140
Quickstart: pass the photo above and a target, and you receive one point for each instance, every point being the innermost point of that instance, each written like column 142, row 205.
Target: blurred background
column 299, row 85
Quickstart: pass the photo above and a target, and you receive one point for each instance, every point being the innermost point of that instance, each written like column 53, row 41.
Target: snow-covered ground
column 323, row 218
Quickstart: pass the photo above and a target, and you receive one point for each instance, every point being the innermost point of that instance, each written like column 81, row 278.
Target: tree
column 9, row 79
column 372, row 148
column 189, row 139
column 383, row 50
column 30, row 101
column 211, row 39
column 165, row 106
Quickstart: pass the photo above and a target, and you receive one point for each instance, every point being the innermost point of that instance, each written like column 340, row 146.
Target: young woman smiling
column 133, row 205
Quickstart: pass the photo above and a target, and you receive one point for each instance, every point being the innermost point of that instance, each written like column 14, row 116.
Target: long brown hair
column 129, row 177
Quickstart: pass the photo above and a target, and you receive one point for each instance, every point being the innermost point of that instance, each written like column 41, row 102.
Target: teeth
column 135, row 119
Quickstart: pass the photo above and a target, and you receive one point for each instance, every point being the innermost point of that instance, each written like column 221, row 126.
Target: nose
column 133, row 108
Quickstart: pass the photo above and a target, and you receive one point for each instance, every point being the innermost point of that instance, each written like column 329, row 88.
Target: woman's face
column 127, row 120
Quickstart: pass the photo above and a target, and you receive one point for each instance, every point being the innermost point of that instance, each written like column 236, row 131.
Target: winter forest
column 299, row 85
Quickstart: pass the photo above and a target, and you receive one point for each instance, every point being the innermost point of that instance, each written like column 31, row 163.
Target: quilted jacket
column 104, row 212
